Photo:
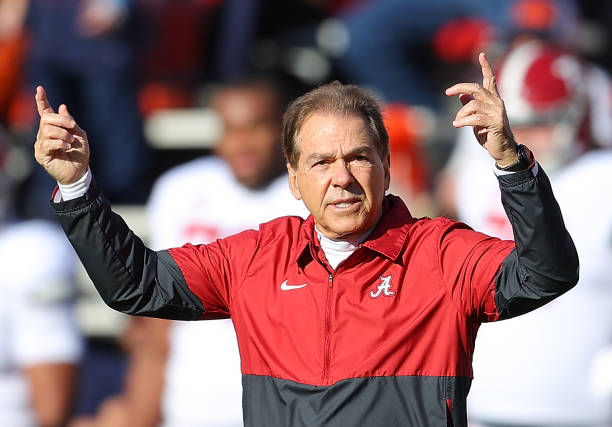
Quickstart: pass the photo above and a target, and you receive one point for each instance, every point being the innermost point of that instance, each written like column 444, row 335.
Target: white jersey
column 199, row 202
column 549, row 366
column 36, row 317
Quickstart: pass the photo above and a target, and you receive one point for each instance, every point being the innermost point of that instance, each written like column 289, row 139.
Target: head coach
column 360, row 315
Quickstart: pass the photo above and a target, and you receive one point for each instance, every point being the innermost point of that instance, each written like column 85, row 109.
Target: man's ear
column 293, row 185
column 387, row 167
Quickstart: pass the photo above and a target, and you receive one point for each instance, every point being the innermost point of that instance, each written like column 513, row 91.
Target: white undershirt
column 74, row 190
column 337, row 251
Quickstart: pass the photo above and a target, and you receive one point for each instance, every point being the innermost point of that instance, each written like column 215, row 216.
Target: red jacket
column 385, row 339
column 441, row 278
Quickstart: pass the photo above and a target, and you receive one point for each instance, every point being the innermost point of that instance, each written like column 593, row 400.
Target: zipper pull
column 331, row 280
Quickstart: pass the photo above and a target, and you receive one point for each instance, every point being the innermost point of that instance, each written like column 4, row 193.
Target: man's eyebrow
column 319, row 156
column 363, row 149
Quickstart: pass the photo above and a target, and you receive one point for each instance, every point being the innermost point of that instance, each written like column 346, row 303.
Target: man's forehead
column 323, row 144
column 324, row 126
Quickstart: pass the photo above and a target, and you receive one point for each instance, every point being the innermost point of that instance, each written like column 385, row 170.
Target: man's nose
column 342, row 175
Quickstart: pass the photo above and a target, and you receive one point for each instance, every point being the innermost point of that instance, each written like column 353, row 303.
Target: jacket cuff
column 516, row 178
column 76, row 189
column 82, row 202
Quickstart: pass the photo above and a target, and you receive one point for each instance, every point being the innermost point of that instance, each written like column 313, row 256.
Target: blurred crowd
column 219, row 73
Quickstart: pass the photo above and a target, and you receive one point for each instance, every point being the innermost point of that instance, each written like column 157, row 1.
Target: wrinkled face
column 251, row 133
column 340, row 175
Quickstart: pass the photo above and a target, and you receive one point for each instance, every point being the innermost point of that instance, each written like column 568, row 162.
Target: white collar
column 337, row 250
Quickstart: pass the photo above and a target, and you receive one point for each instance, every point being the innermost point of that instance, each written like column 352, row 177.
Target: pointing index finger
column 42, row 104
column 488, row 78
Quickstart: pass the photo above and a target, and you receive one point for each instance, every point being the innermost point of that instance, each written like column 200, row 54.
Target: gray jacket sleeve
column 130, row 277
column 544, row 263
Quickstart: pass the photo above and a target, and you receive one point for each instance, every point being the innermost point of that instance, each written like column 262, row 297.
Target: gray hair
column 335, row 98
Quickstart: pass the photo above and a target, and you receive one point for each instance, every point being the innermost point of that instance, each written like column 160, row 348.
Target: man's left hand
column 484, row 109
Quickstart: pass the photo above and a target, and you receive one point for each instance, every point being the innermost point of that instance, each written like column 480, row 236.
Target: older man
column 360, row 314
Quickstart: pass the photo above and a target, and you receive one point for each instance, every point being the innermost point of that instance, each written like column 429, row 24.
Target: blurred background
column 139, row 77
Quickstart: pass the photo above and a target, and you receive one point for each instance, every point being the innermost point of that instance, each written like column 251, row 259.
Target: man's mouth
column 345, row 203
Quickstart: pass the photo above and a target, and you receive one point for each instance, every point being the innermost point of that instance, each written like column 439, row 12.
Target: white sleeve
column 163, row 214
column 74, row 190
column 499, row 172
column 45, row 333
column 43, row 290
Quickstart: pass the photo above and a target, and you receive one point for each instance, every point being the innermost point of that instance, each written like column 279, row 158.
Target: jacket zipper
column 327, row 337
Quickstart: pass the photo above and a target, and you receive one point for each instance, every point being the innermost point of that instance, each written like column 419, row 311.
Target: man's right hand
column 61, row 145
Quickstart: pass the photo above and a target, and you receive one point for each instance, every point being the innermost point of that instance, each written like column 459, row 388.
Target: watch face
column 522, row 155
column 525, row 156
column 525, row 160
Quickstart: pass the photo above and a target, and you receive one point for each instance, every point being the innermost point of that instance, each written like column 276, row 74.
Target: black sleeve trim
column 129, row 277
column 544, row 263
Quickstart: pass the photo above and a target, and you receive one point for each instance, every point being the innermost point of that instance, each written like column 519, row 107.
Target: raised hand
column 484, row 109
column 61, row 145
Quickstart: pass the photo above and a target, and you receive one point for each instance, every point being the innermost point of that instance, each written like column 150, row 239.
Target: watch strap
column 526, row 160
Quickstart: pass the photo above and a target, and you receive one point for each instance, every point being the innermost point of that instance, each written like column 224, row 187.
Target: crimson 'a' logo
column 384, row 288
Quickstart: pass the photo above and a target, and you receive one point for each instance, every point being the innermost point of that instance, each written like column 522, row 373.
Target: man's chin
column 345, row 229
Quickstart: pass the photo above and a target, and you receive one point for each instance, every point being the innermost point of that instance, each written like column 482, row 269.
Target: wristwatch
column 525, row 160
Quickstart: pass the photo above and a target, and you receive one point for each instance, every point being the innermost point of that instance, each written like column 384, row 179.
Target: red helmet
column 543, row 85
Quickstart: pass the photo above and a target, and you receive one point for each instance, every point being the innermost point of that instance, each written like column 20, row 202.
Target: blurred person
column 360, row 314
column 83, row 52
column 212, row 197
column 546, row 91
column 40, row 345
column 204, row 200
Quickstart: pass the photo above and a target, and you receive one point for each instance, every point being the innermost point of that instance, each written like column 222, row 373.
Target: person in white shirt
column 201, row 201
column 40, row 344
column 562, row 372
